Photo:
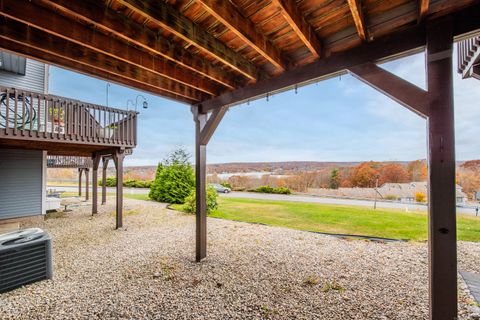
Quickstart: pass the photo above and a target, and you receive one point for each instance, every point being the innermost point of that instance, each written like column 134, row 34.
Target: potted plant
column 107, row 132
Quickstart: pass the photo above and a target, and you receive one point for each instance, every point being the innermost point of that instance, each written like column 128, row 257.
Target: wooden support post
column 201, row 188
column 436, row 104
column 80, row 170
column 118, row 160
column 104, row 179
column 87, row 183
column 96, row 163
column 441, row 173
column 204, row 128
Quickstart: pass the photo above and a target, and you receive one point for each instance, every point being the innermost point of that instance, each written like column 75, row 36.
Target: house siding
column 35, row 78
column 22, row 184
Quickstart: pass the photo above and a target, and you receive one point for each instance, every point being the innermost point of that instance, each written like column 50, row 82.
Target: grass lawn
column 125, row 195
column 357, row 220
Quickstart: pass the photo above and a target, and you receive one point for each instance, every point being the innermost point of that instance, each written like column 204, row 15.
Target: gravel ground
column 147, row 271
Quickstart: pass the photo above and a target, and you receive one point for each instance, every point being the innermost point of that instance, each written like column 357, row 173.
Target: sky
column 340, row 119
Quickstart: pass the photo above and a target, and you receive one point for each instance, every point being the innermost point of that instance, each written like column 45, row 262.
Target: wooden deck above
column 195, row 51
column 63, row 126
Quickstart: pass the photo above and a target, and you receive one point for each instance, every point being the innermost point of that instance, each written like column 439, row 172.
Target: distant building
column 405, row 192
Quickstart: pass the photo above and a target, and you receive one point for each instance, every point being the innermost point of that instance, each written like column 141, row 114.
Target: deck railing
column 69, row 162
column 468, row 53
column 29, row 115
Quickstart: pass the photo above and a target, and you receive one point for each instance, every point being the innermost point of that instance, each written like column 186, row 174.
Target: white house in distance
column 405, row 192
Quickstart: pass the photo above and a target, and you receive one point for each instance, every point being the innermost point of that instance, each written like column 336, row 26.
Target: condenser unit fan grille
column 23, row 265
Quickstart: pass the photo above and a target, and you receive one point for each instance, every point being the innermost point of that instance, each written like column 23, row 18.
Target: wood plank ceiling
column 194, row 50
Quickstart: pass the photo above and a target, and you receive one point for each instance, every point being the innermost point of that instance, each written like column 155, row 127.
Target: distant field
column 393, row 224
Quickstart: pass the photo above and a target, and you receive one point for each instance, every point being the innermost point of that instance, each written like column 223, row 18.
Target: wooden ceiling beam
column 358, row 18
column 228, row 15
column 70, row 64
column 306, row 33
column 174, row 22
column 29, row 36
column 396, row 44
column 29, row 13
column 96, row 14
column 423, row 9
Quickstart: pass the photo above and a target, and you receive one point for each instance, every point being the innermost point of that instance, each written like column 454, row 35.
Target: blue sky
column 340, row 119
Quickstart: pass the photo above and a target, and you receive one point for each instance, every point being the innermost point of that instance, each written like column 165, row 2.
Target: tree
column 335, row 179
column 174, row 179
column 364, row 175
column 417, row 170
column 392, row 172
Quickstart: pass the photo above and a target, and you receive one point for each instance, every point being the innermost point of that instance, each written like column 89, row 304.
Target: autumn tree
column 417, row 170
column 335, row 179
column 364, row 175
column 393, row 172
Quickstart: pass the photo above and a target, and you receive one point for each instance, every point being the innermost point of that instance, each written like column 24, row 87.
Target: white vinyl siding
column 34, row 79
column 21, row 183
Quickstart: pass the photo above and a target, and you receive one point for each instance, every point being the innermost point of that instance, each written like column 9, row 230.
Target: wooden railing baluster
column 48, row 117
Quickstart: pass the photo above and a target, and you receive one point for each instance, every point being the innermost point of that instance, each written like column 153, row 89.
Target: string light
column 267, row 97
column 296, row 89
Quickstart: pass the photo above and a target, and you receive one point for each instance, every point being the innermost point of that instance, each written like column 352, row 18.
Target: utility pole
column 376, row 191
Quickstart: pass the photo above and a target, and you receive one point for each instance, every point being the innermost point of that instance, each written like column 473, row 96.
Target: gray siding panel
column 20, row 183
column 33, row 80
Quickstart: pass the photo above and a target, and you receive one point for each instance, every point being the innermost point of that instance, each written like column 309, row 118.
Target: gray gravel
column 147, row 271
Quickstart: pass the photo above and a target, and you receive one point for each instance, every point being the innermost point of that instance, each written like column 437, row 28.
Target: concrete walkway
column 473, row 283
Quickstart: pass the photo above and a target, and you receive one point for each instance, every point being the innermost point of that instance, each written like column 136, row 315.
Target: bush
column 174, row 179
column 268, row 189
column 191, row 204
column 227, row 185
column 391, row 197
column 420, row 197
column 130, row 183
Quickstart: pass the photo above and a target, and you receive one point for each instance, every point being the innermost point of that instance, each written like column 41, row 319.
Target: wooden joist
column 95, row 14
column 49, row 48
column 304, row 31
column 171, row 20
column 29, row 13
column 423, row 9
column 402, row 42
column 228, row 15
column 358, row 18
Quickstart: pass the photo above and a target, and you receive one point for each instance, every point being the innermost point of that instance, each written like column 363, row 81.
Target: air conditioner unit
column 25, row 257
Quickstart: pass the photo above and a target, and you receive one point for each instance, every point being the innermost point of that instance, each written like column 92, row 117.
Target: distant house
column 405, row 192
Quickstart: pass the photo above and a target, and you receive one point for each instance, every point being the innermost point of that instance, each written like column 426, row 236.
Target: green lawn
column 125, row 195
column 357, row 220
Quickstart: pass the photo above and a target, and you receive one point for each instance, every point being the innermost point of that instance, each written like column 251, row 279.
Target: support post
column 442, row 244
column 118, row 157
column 435, row 104
column 104, row 179
column 200, row 187
column 87, row 183
column 204, row 128
column 80, row 170
column 96, row 163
